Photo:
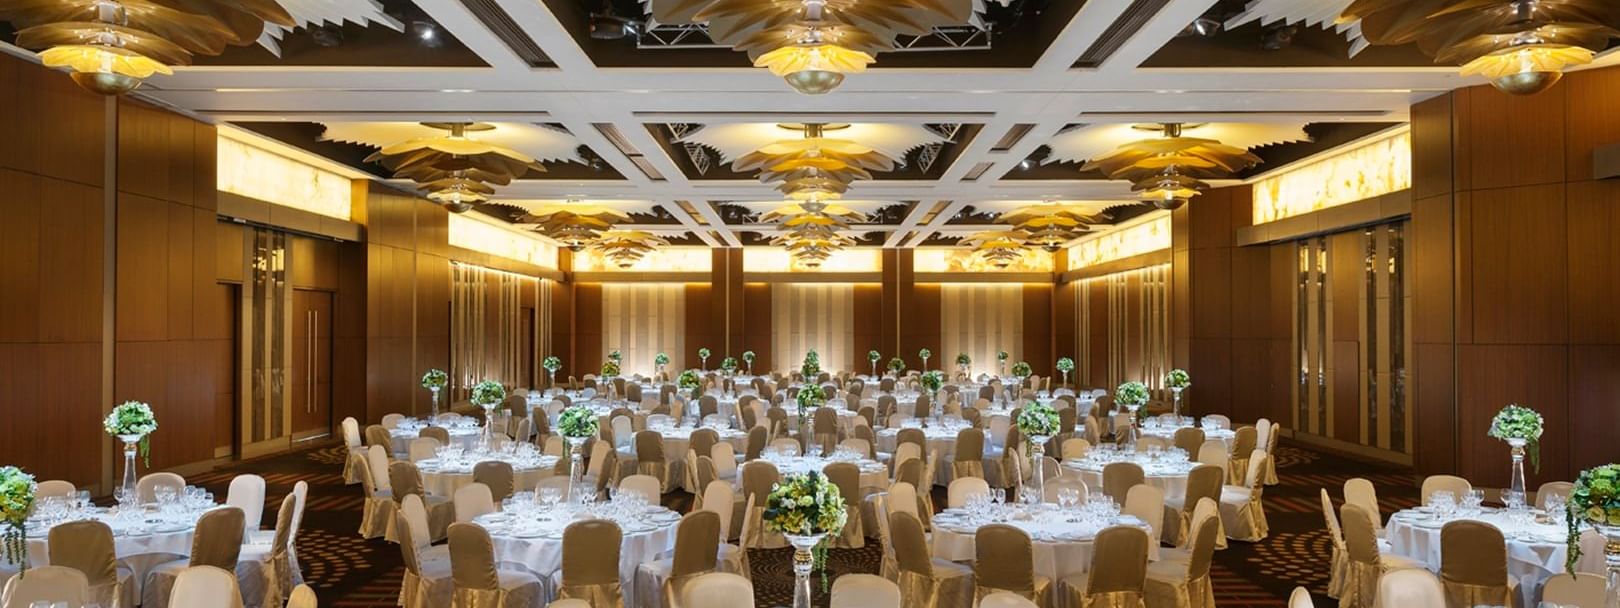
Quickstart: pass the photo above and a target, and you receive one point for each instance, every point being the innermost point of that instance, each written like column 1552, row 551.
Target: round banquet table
column 1062, row 548
column 1168, row 473
column 142, row 539
column 442, row 476
column 464, row 434
column 1167, row 432
column 530, row 535
column 1535, row 551
column 678, row 439
column 874, row 475
column 940, row 439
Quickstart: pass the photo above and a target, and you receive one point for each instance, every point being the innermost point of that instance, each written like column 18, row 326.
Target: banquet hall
column 809, row 303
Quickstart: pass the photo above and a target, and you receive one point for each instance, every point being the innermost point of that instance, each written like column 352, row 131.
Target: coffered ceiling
column 980, row 118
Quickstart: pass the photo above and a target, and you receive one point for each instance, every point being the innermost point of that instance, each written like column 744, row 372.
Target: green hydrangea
column 1131, row 393
column 552, row 364
column 488, row 392
column 1022, row 369
column 435, row 379
column 805, row 505
column 16, row 503
column 1177, row 378
column 1594, row 499
column 1519, row 422
column 1037, row 420
column 577, row 422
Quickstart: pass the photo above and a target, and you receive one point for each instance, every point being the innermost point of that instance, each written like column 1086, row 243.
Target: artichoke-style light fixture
column 815, row 161
column 811, row 228
column 813, row 44
column 575, row 223
column 111, row 46
column 455, row 169
column 626, row 247
column 1522, row 46
column 1048, row 225
column 1000, row 248
column 1169, row 170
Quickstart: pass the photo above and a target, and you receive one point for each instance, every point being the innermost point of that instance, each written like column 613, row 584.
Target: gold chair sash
column 847, row 477
column 496, row 474
column 218, row 542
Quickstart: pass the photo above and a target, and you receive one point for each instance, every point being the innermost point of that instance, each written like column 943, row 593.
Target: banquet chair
column 847, row 477
column 205, row 587
column 903, row 454
column 423, row 448
column 786, row 446
column 498, row 476
column 969, row 459
column 718, row 590
column 1340, row 564
column 405, row 480
column 472, row 500
column 1414, row 587
column 1093, row 430
column 708, row 406
column 1004, row 560
column 1361, row 492
column 1214, row 452
column 659, row 583
column 758, row 436
column 1003, row 599
column 869, row 414
column 1457, row 486
column 590, row 563
column 555, row 446
column 217, row 542
column 1144, row 444
column 646, row 485
column 963, row 489
column 524, row 430
column 1204, row 481
column 1074, row 447
column 1242, row 512
column 1189, row 439
column 478, row 582
column 702, row 441
column 1120, row 477
column 1118, row 574
column 864, row 591
column 1185, row 583
column 702, row 468
column 264, row 571
column 758, row 477
column 903, row 498
column 1473, row 565
column 377, row 513
column 87, row 546
column 724, row 455
column 1270, row 447
column 303, row 597
column 391, row 421
column 146, row 489
column 720, row 499
column 413, row 512
column 46, row 584
column 825, row 426
column 1547, row 491
column 1067, row 417
column 778, row 419
column 603, row 467
column 913, row 436
column 621, row 431
column 1219, row 421
column 1300, row 598
column 1366, row 563
column 857, row 445
column 926, row 581
column 1146, row 503
column 1243, row 448
column 1580, row 590
column 356, row 450
column 1053, row 486
column 377, row 434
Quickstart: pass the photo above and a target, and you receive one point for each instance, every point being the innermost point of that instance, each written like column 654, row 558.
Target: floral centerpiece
column 690, row 382
column 1595, row 499
column 897, row 365
column 729, row 364
column 660, row 360
column 806, row 508
column 932, row 381
column 924, row 354
column 1037, row 422
column 1520, row 427
column 1177, row 381
column 873, row 357
column 616, row 356
column 610, row 368
column 963, row 361
column 577, row 422
column 1131, row 394
column 488, row 394
column 1001, row 361
column 131, row 422
column 811, row 396
column 435, row 380
column 1065, row 365
column 811, row 369
column 1022, row 370
column 551, row 365
column 748, row 357
column 703, row 354
column 16, row 503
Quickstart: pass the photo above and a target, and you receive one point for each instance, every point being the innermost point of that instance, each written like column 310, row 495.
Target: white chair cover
column 1581, row 590
column 205, row 587
column 646, row 485
column 864, row 591
column 1300, row 598
column 718, row 590
column 472, row 500
column 1409, row 587
column 1003, row 599
column 1360, row 492
column 724, row 456
column 422, row 448
column 55, row 488
column 146, row 488
column 357, row 451
column 1146, row 502
column 246, row 492
column 390, row 421
column 963, row 489
column 47, row 584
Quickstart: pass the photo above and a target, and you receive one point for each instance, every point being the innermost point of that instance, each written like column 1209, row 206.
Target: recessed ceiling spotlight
column 1278, row 38
column 1024, row 165
column 427, row 32
column 1202, row 26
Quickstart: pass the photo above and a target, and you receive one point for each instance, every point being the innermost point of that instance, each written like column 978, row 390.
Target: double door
column 310, row 384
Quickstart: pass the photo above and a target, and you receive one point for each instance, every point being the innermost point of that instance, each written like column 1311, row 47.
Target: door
column 311, row 384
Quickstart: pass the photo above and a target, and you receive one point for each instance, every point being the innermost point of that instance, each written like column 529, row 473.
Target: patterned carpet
column 348, row 571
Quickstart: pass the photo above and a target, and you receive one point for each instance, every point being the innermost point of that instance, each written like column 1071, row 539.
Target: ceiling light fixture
column 455, row 170
column 1522, row 46
column 999, row 248
column 1169, row 170
column 1048, row 225
column 574, row 223
column 626, row 247
column 111, row 46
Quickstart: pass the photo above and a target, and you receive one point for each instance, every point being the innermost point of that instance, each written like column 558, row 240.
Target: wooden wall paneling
column 1132, row 319
column 1251, row 379
column 1038, row 330
column 1462, row 252
column 1211, row 292
column 868, row 311
column 1096, row 291
column 432, row 319
column 1251, row 292
column 1594, row 262
column 1181, row 309
column 1520, row 266
column 1432, row 266
column 757, row 323
column 1433, row 167
column 564, row 329
column 229, row 265
column 314, row 263
column 57, row 442
column 1212, row 363
column 181, row 285
column 921, row 324
column 1065, row 334
column 143, row 287
column 1346, row 381
column 1492, row 376
column 1347, row 273
column 71, row 263
column 1594, row 388
column 53, row 128
column 1210, row 218
column 588, row 333
column 432, row 228
column 700, row 333
column 20, row 258
column 1515, row 140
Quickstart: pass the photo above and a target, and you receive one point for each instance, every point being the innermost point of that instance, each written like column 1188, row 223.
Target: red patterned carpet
column 349, row 571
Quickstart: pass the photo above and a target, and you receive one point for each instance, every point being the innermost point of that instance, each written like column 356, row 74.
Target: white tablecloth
column 1062, row 549
column 678, row 439
column 1536, row 552
column 533, row 539
column 939, row 439
column 444, row 478
column 1168, row 433
column 140, row 543
column 874, row 476
column 1166, row 475
column 464, row 437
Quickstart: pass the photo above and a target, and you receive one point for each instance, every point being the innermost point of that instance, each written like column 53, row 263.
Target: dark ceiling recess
column 1127, row 25
column 511, row 34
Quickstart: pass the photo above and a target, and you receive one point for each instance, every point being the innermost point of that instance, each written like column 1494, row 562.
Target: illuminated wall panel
column 776, row 259
column 1374, row 168
column 667, row 259
column 256, row 173
column 477, row 235
column 1145, row 237
column 959, row 259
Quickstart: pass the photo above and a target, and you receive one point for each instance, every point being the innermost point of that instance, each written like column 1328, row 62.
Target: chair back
column 1053, row 486
column 472, row 500
column 1214, row 452
column 414, row 514
column 204, row 586
column 1004, row 558
column 1204, row 481
column 720, row 499
column 1074, row 447
column 864, row 591
column 912, row 436
column 717, row 590
column 1243, row 441
column 1066, row 419
column 351, row 432
column 55, row 488
column 146, row 488
column 758, row 477
column 1551, row 489
column 757, row 436
column 472, row 557
column 825, row 421
column 1118, row 561
column 218, row 541
column 1412, row 587
column 1146, row 502
column 910, row 471
column 303, row 597
column 697, row 542
column 404, row 478
column 646, row 485
column 591, row 553
column 1189, row 439
column 969, row 445
column 703, row 441
column 47, row 584
column 903, row 499
column 86, row 546
column 1360, row 540
column 246, row 492
column 377, row 434
column 1473, row 553
column 911, row 552
column 786, row 445
column 377, row 467
column 1120, row 477
column 1361, row 493
column 498, row 476
column 436, row 432
column 1204, row 536
column 423, row 448
column 1331, row 520
column 847, row 477
column 963, row 489
column 1583, row 590
column 1444, row 483
column 1218, row 421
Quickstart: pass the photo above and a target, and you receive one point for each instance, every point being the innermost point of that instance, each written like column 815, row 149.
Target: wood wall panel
column 20, row 260
column 52, row 127
column 756, row 335
column 565, row 331
column 1433, row 268
column 1065, row 334
column 588, row 333
column 1038, row 330
column 868, row 311
column 1590, row 120
column 699, row 331
column 1519, row 265
column 1432, row 161
column 1492, row 376
column 1514, row 140
column 1594, row 389
column 920, row 324
column 1594, row 262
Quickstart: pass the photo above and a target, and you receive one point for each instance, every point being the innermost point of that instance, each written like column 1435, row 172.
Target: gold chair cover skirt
column 479, row 598
column 950, row 588
column 762, row 538
column 968, row 469
column 658, row 470
column 1247, row 523
column 1196, row 593
column 1070, row 596
column 1270, row 471
column 1040, row 594
column 352, row 466
column 606, row 595
column 733, row 560
column 1180, row 534
column 853, row 535
column 441, row 513
column 120, row 594
column 1462, row 595
column 1338, row 574
column 417, row 592
column 1359, row 589
column 1236, row 468
column 377, row 517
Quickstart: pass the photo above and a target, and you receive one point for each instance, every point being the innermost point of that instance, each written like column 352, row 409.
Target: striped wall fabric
column 980, row 319
column 819, row 316
column 640, row 321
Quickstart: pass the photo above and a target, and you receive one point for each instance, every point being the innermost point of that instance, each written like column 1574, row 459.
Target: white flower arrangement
column 17, row 491
column 133, row 419
column 488, row 393
column 435, row 379
column 1177, row 379
column 1518, row 422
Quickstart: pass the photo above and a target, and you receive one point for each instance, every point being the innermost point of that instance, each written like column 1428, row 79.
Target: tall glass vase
column 1130, row 429
column 1175, row 402
column 1515, row 496
column 576, row 463
column 1037, row 457
column 804, row 561
column 435, row 416
column 1611, row 560
column 489, row 424
column 126, row 490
